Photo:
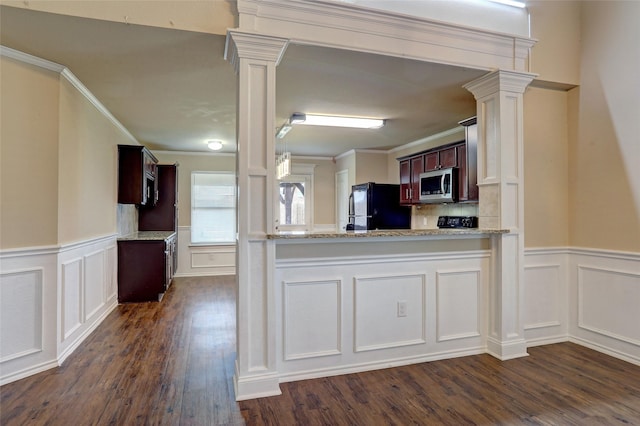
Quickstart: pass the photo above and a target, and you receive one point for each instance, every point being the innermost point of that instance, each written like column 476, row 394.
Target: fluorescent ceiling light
column 336, row 121
column 283, row 130
column 513, row 3
column 215, row 145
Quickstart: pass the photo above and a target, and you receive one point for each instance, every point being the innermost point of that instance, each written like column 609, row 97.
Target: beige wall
column 28, row 155
column 546, row 168
column 205, row 16
column 59, row 155
column 604, row 148
column 193, row 162
column 371, row 167
column 556, row 26
column 324, row 189
column 87, row 168
column 347, row 162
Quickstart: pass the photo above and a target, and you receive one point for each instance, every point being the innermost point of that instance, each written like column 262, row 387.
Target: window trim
column 299, row 172
column 191, row 208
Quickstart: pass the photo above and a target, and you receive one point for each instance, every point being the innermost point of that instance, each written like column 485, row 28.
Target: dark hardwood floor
column 171, row 363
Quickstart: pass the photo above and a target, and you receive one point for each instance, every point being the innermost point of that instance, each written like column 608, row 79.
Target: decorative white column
column 255, row 58
column 499, row 97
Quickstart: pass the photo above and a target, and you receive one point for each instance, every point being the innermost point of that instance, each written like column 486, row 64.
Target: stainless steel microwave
column 439, row 186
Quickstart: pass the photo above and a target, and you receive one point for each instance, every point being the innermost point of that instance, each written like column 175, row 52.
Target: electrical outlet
column 402, row 308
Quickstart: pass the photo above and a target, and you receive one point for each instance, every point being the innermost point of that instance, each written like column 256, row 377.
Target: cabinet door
column 141, row 270
column 164, row 215
column 463, row 181
column 431, row 161
column 136, row 175
column 405, row 182
column 448, row 158
column 417, row 167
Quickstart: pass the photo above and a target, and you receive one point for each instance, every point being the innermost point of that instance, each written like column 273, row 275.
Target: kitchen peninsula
column 355, row 301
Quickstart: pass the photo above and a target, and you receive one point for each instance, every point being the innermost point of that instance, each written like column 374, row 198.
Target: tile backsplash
column 425, row 216
column 127, row 219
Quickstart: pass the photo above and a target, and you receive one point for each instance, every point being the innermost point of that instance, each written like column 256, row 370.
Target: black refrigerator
column 377, row 206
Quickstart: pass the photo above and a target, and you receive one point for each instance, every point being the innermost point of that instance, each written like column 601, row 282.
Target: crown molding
column 30, row 59
column 194, row 153
column 450, row 132
column 75, row 82
column 71, row 78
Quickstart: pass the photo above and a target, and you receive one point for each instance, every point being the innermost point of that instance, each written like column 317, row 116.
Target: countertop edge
column 147, row 236
column 387, row 233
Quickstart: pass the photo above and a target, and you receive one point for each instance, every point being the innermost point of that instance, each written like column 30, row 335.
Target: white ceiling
column 173, row 90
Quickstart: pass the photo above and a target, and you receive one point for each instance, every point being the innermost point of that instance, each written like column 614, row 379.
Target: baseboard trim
column 257, row 386
column 27, row 372
column 605, row 350
column 62, row 357
column 378, row 365
column 507, row 350
column 202, row 274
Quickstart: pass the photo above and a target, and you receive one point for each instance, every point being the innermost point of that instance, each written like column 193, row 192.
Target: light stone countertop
column 147, row 235
column 386, row 233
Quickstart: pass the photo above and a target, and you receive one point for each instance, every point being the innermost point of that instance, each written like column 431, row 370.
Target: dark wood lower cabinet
column 145, row 268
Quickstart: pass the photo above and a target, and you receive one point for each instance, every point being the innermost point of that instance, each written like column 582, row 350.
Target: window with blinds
column 213, row 207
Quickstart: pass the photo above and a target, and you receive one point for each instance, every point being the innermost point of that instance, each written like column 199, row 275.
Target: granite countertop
column 387, row 233
column 147, row 235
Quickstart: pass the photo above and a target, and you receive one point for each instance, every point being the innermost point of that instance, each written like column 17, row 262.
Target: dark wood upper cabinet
column 468, row 163
column 163, row 216
column 137, row 182
column 462, row 155
column 405, row 182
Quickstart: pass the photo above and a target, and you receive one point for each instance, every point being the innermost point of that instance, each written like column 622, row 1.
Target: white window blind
column 213, row 207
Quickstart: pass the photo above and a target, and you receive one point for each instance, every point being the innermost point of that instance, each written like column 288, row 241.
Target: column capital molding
column 253, row 46
column 498, row 81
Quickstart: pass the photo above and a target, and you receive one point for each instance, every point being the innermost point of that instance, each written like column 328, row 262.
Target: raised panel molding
column 608, row 301
column 111, row 279
column 459, row 304
column 49, row 307
column 213, row 259
column 21, row 313
column 312, row 312
column 378, row 323
column 94, row 283
column 542, row 294
column 72, row 297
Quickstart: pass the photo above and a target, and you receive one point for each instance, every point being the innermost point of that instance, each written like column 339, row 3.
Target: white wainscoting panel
column 95, row 286
column 203, row 260
column 604, row 301
column 111, row 277
column 72, row 298
column 28, row 300
column 88, row 279
column 545, row 313
column 312, row 318
column 542, row 293
column 459, row 303
column 21, row 319
column 378, row 322
column 609, row 302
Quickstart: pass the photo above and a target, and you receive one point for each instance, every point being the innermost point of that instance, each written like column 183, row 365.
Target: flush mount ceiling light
column 336, row 121
column 215, row 145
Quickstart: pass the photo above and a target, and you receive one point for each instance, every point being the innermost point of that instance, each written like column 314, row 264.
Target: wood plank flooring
column 171, row 363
